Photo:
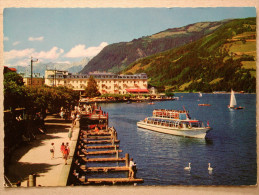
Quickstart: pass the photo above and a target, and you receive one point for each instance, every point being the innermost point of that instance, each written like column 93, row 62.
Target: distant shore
column 121, row 101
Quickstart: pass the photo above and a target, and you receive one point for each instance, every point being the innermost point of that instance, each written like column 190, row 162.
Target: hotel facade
column 108, row 83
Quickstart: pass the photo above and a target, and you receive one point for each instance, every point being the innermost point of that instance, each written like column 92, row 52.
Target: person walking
column 52, row 150
column 132, row 167
column 70, row 132
column 65, row 155
column 68, row 149
column 62, row 148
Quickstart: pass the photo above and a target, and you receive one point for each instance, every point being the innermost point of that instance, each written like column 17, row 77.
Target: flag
column 208, row 124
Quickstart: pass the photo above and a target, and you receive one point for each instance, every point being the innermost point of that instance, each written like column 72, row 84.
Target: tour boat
column 175, row 122
column 233, row 102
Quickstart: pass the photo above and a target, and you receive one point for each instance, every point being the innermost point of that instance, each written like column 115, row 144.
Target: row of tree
column 42, row 98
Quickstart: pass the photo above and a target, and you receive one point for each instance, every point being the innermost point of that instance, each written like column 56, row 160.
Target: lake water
column 230, row 147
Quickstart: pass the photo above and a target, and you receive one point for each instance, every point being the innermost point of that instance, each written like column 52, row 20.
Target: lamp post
column 31, row 67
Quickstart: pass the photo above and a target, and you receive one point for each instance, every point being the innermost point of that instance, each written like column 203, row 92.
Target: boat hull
column 186, row 132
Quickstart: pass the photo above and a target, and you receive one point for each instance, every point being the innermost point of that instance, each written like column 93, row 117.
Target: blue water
column 230, row 147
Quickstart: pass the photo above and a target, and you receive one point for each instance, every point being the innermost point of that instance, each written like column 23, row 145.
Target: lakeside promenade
column 35, row 158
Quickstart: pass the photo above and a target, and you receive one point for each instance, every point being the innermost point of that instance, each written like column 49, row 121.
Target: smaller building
column 7, row 69
column 37, row 80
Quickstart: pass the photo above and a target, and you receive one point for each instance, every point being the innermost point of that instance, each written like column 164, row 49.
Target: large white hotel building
column 108, row 83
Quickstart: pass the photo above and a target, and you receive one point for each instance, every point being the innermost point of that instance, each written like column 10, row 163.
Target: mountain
column 219, row 61
column 73, row 67
column 117, row 56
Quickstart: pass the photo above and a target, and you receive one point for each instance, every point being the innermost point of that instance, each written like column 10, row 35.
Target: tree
column 169, row 93
column 13, row 90
column 92, row 89
column 13, row 76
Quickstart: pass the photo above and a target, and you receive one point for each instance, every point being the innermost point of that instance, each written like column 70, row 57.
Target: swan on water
column 188, row 168
column 210, row 168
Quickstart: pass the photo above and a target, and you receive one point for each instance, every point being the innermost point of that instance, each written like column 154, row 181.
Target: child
column 52, row 150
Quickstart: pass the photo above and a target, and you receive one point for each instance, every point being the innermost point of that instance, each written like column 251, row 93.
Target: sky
column 71, row 34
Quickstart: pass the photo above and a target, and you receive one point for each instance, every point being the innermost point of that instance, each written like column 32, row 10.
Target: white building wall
column 105, row 85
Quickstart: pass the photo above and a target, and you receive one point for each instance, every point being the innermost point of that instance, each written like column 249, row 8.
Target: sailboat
column 233, row 102
column 200, row 94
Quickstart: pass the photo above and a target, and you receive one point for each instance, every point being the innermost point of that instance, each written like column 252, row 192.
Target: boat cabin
column 185, row 123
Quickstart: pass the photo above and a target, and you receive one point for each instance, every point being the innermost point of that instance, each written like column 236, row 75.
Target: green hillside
column 222, row 60
column 117, row 56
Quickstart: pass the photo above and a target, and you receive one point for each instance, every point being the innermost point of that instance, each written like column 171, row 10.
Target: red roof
column 137, row 90
column 13, row 69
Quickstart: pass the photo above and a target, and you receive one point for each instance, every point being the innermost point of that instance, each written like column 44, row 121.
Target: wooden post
column 127, row 163
column 31, row 181
column 113, row 141
column 34, row 179
column 115, row 135
column 127, row 160
column 113, row 138
column 117, row 154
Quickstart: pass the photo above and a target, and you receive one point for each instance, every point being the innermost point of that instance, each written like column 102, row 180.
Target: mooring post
column 31, row 181
column 117, row 154
column 127, row 159
column 34, row 179
column 113, row 141
column 113, row 138
column 115, row 135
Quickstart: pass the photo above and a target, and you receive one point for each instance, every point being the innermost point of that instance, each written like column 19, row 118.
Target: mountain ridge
column 117, row 56
column 221, row 60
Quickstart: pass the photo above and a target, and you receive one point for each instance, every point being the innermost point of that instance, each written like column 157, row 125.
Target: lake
column 230, row 147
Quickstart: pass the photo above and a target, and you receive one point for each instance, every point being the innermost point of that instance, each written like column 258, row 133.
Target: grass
column 183, row 86
column 215, row 81
column 253, row 73
column 249, row 65
column 166, row 34
column 244, row 35
column 198, row 26
column 239, row 47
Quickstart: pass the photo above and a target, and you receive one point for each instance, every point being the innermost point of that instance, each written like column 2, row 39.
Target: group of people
column 64, row 113
column 64, row 149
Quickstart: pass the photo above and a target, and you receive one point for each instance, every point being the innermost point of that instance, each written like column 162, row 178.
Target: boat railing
column 175, row 124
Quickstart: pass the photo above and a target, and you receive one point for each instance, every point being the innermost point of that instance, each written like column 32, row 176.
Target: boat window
column 182, row 116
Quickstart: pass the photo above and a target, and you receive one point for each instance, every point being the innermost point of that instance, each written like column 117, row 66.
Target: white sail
column 200, row 94
column 233, row 101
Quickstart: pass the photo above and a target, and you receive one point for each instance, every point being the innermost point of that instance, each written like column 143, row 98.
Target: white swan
column 188, row 168
column 210, row 168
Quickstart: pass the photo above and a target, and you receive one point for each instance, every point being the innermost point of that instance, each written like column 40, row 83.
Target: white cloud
column 18, row 53
column 22, row 57
column 36, row 38
column 6, row 39
column 81, row 51
column 16, row 43
column 25, row 62
column 54, row 53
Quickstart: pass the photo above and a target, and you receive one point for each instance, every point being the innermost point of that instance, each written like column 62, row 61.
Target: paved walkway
column 35, row 158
